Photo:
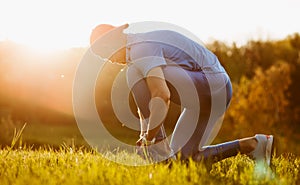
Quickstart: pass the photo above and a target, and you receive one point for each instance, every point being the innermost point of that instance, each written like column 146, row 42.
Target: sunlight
column 41, row 46
column 42, row 49
column 55, row 29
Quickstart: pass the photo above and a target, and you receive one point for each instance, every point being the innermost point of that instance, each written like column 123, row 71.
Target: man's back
column 174, row 48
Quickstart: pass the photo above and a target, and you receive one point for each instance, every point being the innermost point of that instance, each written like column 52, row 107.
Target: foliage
column 260, row 103
column 265, row 76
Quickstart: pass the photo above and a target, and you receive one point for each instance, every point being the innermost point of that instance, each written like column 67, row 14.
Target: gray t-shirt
column 164, row 47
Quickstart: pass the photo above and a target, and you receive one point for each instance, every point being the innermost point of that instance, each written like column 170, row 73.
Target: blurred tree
column 294, row 89
column 260, row 104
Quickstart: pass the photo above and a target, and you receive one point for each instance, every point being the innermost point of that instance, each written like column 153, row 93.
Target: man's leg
column 195, row 97
column 214, row 94
column 259, row 147
column 214, row 153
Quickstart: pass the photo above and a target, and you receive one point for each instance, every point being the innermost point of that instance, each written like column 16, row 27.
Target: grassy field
column 63, row 161
column 70, row 166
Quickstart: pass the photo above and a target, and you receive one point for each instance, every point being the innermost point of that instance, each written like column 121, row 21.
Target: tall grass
column 10, row 131
column 81, row 166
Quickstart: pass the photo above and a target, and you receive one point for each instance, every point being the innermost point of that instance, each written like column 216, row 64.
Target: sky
column 62, row 24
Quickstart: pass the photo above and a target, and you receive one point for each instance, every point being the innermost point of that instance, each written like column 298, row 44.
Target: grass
column 70, row 166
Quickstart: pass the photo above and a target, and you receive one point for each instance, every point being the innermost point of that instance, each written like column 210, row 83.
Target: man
column 166, row 66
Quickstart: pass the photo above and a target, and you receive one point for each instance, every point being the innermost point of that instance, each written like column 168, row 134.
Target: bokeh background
column 41, row 44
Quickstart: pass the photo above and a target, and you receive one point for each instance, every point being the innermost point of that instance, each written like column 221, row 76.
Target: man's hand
column 155, row 150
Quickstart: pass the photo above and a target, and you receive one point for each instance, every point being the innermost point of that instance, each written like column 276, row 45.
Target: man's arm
column 160, row 100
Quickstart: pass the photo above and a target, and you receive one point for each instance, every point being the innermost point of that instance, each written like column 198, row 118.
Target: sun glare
column 46, row 26
column 42, row 47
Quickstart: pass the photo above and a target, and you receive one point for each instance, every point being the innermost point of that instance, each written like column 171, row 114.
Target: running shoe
column 263, row 150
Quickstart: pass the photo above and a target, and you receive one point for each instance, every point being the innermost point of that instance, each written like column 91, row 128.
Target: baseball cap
column 99, row 31
column 106, row 39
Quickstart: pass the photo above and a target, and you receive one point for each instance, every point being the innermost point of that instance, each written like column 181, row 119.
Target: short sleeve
column 146, row 56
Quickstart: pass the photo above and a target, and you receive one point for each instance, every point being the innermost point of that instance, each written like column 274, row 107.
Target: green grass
column 22, row 164
column 70, row 166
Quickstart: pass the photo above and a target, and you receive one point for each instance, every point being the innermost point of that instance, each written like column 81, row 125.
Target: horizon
column 209, row 41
